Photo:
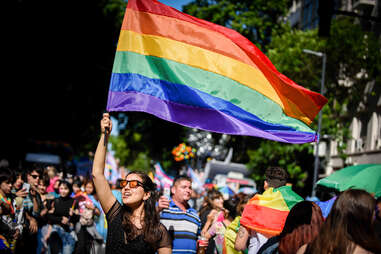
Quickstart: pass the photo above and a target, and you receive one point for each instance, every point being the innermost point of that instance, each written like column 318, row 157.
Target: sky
column 175, row 3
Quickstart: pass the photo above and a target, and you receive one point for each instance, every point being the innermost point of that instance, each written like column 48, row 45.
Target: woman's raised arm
column 106, row 198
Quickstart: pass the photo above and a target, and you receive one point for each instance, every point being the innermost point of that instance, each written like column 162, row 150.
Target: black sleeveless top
column 117, row 243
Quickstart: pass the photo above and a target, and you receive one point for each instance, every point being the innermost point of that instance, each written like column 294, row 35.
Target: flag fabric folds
column 111, row 171
column 202, row 75
column 266, row 213
column 197, row 183
column 162, row 177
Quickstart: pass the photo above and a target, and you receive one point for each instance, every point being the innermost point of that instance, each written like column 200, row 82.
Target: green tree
column 257, row 20
column 147, row 139
column 353, row 61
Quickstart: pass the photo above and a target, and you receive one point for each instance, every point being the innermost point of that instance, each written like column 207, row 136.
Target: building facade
column 364, row 145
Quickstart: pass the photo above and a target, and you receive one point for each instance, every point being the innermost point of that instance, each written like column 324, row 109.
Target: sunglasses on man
column 132, row 183
column 35, row 176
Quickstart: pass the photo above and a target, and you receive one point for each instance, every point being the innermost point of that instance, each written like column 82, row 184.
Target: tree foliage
column 353, row 60
column 146, row 139
column 257, row 20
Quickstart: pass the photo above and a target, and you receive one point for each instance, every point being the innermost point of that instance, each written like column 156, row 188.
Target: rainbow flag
column 202, row 75
column 266, row 213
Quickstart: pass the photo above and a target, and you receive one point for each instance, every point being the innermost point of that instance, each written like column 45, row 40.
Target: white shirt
column 256, row 241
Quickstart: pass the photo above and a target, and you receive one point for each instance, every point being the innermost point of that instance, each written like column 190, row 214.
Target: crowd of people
column 46, row 211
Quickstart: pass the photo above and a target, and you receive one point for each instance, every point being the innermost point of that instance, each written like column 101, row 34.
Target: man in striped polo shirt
column 181, row 221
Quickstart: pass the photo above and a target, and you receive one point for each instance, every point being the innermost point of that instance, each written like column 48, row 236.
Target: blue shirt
column 183, row 226
column 118, row 195
column 100, row 221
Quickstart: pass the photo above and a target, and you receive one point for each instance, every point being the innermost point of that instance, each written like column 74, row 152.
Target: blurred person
column 302, row 225
column 85, row 228
column 18, row 195
column 232, row 229
column 32, row 206
column 349, row 226
column 54, row 183
column 134, row 226
column 209, row 213
column 181, row 220
column 248, row 237
column 46, row 199
column 17, row 187
column 89, row 186
column 377, row 221
column 117, row 192
column 10, row 229
column 53, row 177
column 213, row 205
column 218, row 228
column 61, row 217
column 77, row 187
column 43, row 184
column 89, row 236
column 100, row 224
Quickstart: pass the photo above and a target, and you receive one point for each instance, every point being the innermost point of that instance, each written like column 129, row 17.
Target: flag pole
column 106, row 132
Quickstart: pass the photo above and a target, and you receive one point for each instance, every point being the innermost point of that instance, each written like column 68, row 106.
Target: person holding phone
column 179, row 218
column 32, row 206
column 133, row 226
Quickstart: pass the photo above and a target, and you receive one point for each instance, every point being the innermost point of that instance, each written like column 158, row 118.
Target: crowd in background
column 49, row 211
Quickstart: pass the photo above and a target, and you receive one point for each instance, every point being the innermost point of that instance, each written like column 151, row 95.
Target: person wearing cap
column 275, row 177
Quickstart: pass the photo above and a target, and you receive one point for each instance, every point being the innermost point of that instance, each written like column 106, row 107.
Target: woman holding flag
column 134, row 226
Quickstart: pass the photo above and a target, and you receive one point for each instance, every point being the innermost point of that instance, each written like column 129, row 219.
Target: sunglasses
column 35, row 176
column 132, row 184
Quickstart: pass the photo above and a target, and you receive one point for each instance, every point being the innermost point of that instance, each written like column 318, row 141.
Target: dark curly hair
column 151, row 223
column 276, row 176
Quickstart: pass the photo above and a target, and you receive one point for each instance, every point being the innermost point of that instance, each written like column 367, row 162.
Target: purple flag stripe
column 196, row 117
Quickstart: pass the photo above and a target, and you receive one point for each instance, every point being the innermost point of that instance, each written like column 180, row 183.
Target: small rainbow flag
column 266, row 213
column 202, row 75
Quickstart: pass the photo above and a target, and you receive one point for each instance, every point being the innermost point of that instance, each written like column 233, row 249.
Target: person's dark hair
column 67, row 184
column 378, row 212
column 243, row 199
column 302, row 225
column 348, row 224
column 45, row 179
column 117, row 183
column 211, row 195
column 36, row 168
column 6, row 175
column 18, row 172
column 77, row 182
column 231, row 206
column 151, row 225
column 276, row 177
column 180, row 178
column 87, row 181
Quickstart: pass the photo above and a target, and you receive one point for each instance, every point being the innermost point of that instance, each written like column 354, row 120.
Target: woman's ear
column 146, row 196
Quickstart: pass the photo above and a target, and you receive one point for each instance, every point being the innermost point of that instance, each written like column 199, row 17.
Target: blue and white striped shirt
column 183, row 226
